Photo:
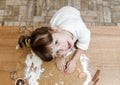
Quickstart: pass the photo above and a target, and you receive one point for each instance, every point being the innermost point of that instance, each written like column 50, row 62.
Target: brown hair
column 39, row 41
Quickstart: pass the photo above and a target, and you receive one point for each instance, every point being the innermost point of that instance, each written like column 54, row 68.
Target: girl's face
column 62, row 43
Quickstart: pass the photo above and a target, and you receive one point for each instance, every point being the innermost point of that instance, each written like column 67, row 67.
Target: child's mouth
column 69, row 45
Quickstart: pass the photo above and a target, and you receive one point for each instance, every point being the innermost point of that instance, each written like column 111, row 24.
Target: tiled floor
column 39, row 12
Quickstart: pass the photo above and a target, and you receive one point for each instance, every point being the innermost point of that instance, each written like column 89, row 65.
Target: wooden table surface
column 104, row 54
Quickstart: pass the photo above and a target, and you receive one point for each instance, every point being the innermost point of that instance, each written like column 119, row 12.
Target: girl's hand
column 60, row 62
column 70, row 66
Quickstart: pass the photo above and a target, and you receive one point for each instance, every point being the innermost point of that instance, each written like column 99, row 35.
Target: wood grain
column 104, row 54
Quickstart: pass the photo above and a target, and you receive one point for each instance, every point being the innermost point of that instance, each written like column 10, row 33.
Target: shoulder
column 69, row 9
column 63, row 14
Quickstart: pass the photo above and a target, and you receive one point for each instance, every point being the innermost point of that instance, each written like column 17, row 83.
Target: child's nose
column 62, row 47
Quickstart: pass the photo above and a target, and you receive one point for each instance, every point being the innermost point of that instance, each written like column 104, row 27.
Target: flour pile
column 84, row 62
column 33, row 69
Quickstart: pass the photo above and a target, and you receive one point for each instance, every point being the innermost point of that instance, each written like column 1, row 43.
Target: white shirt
column 68, row 18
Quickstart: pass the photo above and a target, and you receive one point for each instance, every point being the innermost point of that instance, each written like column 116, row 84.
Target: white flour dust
column 84, row 62
column 33, row 69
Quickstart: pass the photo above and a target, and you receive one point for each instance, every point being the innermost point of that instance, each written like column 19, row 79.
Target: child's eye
column 57, row 52
column 56, row 42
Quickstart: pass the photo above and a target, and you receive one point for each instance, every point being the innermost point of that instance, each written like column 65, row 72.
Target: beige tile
column 2, row 12
column 1, row 18
column 2, row 4
column 38, row 19
column 107, row 15
column 101, row 12
column 92, row 5
column 13, row 2
column 84, row 4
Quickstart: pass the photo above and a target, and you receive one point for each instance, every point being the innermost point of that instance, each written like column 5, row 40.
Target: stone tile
column 84, row 4
column 13, row 2
column 36, row 24
column 88, row 13
column 22, row 13
column 51, row 12
column 110, row 24
column 94, row 12
column 77, row 4
column 100, row 13
column 115, row 3
column 30, row 10
column 92, row 24
column 90, row 18
column 1, row 12
column 23, row 2
column 99, row 1
column 63, row 3
column 107, row 15
column 38, row 19
column 38, row 7
column 66, row 2
column 116, row 14
column 116, row 17
column 115, row 0
column 69, row 2
column 22, row 23
column 56, row 3
column 5, row 23
column 47, row 19
column 92, row 4
column 12, row 11
column 16, row 23
column 118, row 24
column 10, row 23
column 115, row 8
column 1, row 18
column 2, row 4
column 106, row 3
column 8, row 18
column 0, row 23
column 43, row 24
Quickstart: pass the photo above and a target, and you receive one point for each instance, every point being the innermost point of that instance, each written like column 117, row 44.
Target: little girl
column 67, row 31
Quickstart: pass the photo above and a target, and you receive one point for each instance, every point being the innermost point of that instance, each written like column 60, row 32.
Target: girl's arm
column 71, row 65
column 61, row 63
column 77, row 54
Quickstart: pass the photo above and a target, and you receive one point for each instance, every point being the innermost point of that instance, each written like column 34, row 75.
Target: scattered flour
column 17, row 47
column 48, row 75
column 56, row 83
column 84, row 62
column 61, row 82
column 33, row 69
